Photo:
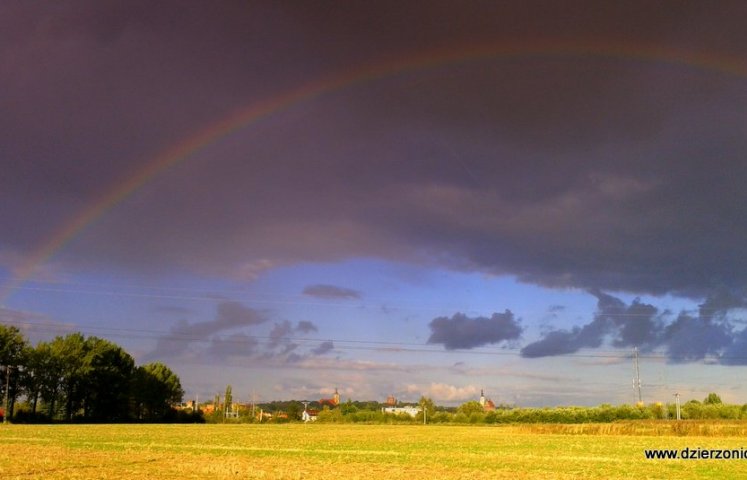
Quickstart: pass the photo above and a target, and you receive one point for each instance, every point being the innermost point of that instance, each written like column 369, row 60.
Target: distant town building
column 391, row 401
column 262, row 415
column 309, row 415
column 411, row 411
column 487, row 404
column 331, row 402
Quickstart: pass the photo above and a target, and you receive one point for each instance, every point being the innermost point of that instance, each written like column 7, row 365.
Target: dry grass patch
column 352, row 451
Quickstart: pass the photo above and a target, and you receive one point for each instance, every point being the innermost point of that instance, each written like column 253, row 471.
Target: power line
column 339, row 344
column 214, row 296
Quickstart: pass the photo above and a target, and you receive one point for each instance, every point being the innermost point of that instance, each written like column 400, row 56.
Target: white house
column 309, row 415
column 411, row 411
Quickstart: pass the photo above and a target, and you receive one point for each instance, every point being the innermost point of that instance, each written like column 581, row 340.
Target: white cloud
column 442, row 392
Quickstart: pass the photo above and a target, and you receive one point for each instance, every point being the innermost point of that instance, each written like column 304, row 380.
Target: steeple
column 482, row 397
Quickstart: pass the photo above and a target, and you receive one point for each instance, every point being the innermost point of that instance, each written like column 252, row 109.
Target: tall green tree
column 468, row 408
column 108, row 372
column 155, row 389
column 228, row 400
column 427, row 408
column 13, row 350
column 30, row 381
column 294, row 411
column 47, row 370
column 70, row 352
column 712, row 399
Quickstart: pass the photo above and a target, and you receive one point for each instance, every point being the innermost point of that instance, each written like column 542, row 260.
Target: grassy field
column 362, row 451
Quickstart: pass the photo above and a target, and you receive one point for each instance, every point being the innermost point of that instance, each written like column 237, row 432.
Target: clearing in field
column 355, row 452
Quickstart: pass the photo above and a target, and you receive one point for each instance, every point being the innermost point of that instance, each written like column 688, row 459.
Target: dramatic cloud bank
column 330, row 291
column 689, row 337
column 589, row 169
column 208, row 340
column 280, row 154
column 460, row 331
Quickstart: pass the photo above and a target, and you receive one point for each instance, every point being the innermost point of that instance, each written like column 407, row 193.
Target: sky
column 407, row 198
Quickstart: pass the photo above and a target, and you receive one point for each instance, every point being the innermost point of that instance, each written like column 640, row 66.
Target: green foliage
column 712, row 399
column 12, row 347
column 330, row 416
column 549, row 415
column 84, row 379
column 440, row 417
column 13, row 354
column 106, row 384
column 228, row 399
column 347, row 408
column 155, row 389
column 658, row 411
column 426, row 403
column 294, row 411
column 471, row 407
column 71, row 352
column 460, row 417
column 46, row 373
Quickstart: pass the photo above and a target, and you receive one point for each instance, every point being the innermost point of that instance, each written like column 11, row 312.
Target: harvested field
column 354, row 452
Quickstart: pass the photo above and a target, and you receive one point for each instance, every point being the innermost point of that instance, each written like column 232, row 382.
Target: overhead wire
column 216, row 295
column 339, row 343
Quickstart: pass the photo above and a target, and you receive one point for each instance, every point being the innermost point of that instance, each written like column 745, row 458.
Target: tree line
column 472, row 412
column 75, row 378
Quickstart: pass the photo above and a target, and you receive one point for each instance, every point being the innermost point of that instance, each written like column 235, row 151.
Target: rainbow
column 417, row 61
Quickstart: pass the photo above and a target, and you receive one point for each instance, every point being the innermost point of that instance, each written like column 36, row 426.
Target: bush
column 26, row 416
column 477, row 418
column 330, row 416
column 460, row 418
column 440, row 417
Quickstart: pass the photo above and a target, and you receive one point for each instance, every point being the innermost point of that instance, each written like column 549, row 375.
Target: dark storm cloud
column 281, row 332
column 173, row 310
column 461, row 331
column 232, row 315
column 736, row 353
column 330, row 291
column 719, row 303
column 692, row 338
column 613, row 171
column 282, row 347
column 305, row 326
column 34, row 326
column 235, row 345
column 279, row 342
column 229, row 315
column 205, row 340
column 688, row 338
column 628, row 325
column 323, row 348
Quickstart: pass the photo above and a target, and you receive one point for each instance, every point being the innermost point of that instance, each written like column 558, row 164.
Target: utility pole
column 7, row 387
column 636, row 376
column 253, row 400
column 305, row 407
column 425, row 414
column 677, row 403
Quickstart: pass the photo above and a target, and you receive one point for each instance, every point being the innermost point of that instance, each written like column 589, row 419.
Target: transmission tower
column 636, row 376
